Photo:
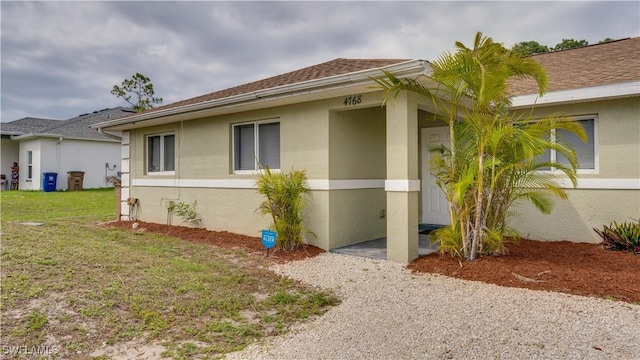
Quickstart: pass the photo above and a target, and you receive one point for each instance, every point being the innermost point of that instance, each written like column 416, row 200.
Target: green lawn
column 75, row 287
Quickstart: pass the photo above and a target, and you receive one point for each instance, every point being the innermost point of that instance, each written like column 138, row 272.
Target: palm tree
column 494, row 157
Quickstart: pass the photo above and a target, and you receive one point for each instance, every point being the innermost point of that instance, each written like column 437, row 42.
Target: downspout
column 60, row 139
column 115, row 137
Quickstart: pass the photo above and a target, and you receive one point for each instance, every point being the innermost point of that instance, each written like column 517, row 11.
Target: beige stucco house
column 366, row 163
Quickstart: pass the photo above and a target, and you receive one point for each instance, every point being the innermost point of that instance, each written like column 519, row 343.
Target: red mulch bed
column 574, row 268
column 568, row 267
column 223, row 239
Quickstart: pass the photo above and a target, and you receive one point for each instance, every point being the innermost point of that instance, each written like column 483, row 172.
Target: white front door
column 435, row 208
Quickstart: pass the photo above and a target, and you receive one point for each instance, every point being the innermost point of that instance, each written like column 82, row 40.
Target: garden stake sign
column 269, row 239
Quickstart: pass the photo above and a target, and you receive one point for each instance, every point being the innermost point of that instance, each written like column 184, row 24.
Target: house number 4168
column 352, row 100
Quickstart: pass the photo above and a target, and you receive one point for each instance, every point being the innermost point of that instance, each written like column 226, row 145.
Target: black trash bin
column 75, row 180
column 49, row 181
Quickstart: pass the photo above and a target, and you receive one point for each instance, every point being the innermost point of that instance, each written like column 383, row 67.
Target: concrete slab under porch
column 377, row 248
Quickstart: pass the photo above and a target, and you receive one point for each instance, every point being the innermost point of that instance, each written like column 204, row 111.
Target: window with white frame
column 29, row 165
column 586, row 151
column 161, row 153
column 256, row 144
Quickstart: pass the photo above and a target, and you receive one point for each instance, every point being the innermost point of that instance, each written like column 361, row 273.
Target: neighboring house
column 61, row 146
column 10, row 149
column 367, row 163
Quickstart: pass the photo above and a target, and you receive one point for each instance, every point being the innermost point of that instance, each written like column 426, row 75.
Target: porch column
column 402, row 184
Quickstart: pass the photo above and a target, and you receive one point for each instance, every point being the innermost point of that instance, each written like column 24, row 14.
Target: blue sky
column 61, row 59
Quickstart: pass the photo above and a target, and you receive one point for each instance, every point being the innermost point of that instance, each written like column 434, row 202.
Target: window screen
column 256, row 144
column 244, row 147
column 584, row 150
column 169, row 151
column 153, row 154
column 269, row 145
column 161, row 153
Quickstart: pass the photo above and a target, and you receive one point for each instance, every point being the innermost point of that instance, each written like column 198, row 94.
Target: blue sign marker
column 269, row 238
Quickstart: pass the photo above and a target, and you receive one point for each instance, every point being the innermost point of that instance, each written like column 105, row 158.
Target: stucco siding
column 356, row 216
column 618, row 134
column 233, row 210
column 357, row 150
column 573, row 219
column 221, row 209
column 204, row 153
column 357, row 144
column 610, row 193
column 203, row 146
column 56, row 156
column 92, row 162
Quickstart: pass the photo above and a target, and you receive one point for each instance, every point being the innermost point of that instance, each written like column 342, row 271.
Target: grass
column 78, row 286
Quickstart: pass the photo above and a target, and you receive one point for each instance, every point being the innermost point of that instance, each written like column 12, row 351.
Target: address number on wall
column 352, row 100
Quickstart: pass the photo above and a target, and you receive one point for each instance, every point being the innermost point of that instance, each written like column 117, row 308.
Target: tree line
column 526, row 48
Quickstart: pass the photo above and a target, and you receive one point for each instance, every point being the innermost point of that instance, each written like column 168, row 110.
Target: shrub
column 187, row 212
column 621, row 237
column 284, row 202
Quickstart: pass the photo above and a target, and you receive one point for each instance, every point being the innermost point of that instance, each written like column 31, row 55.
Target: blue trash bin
column 49, row 181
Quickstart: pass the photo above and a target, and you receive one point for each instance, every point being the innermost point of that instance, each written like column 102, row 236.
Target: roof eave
column 595, row 93
column 62, row 137
column 404, row 69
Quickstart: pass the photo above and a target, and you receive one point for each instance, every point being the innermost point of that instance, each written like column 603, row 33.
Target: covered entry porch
column 388, row 145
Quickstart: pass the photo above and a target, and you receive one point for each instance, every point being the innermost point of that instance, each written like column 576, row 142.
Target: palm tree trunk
column 477, row 233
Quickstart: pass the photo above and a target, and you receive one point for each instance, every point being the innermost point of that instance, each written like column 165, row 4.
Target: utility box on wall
column 75, row 180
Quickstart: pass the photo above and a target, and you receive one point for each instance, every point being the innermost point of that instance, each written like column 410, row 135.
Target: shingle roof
column 26, row 125
column 594, row 65
column 330, row 68
column 77, row 127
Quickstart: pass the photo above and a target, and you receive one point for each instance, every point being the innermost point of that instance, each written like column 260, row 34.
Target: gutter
column 114, row 137
column 405, row 69
column 604, row 92
column 37, row 135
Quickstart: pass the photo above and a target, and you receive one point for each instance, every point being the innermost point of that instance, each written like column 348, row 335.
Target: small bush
column 187, row 212
column 621, row 237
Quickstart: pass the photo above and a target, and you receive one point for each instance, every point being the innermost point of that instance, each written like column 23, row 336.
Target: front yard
column 74, row 289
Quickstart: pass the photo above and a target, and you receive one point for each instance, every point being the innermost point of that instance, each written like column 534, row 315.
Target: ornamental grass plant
column 284, row 201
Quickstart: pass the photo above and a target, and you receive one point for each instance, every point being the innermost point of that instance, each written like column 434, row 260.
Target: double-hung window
column 256, row 145
column 161, row 153
column 586, row 151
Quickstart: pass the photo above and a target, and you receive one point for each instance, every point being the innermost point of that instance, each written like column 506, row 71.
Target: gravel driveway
column 389, row 313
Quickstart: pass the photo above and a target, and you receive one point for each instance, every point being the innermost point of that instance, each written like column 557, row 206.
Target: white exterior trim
column 61, row 137
column 402, row 185
column 126, row 138
column 315, row 184
column 124, row 166
column 125, row 151
column 601, row 184
column 355, row 184
column 631, row 88
column 345, row 184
